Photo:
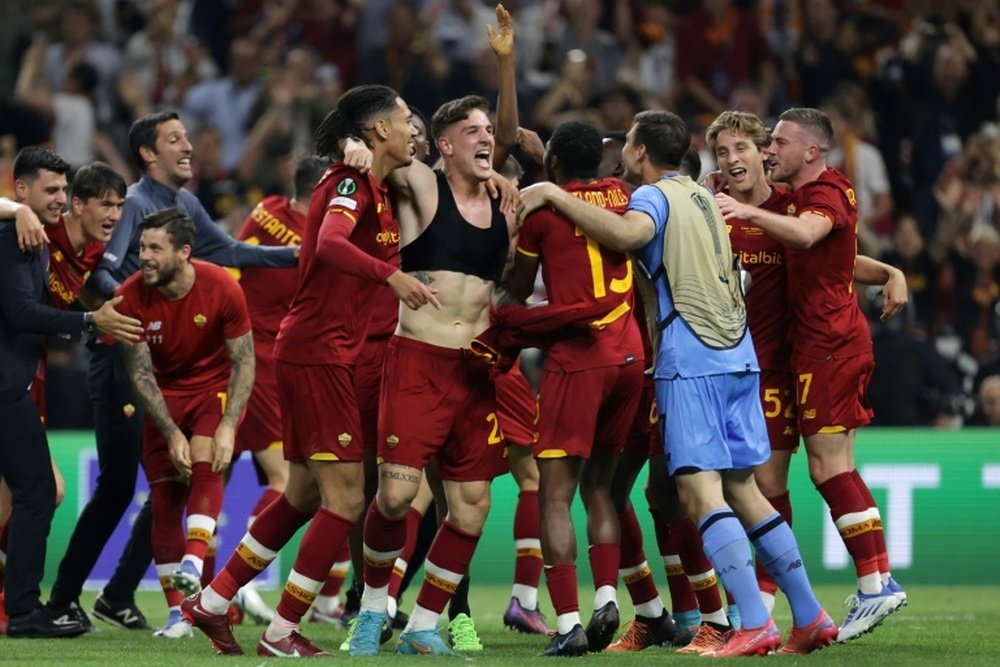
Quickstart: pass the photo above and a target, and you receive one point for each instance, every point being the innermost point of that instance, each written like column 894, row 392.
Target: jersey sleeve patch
column 345, row 202
column 347, row 187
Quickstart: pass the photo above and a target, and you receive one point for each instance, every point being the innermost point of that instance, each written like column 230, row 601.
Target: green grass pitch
column 942, row 626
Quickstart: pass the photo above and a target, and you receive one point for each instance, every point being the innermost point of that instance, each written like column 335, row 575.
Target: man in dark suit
column 25, row 319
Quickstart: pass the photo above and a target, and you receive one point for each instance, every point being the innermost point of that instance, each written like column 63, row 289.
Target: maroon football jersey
column 331, row 313
column 827, row 318
column 270, row 292
column 768, row 314
column 187, row 336
column 577, row 270
column 68, row 271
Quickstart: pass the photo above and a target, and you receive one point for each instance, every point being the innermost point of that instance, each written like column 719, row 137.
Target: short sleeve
column 235, row 316
column 650, row 200
column 825, row 200
column 529, row 238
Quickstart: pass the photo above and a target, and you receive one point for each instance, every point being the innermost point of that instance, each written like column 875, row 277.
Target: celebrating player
column 276, row 221
column 832, row 351
column 193, row 373
column 453, row 237
column 161, row 150
column 347, row 252
column 589, row 391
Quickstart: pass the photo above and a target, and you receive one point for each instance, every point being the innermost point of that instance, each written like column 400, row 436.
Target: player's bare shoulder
column 416, row 194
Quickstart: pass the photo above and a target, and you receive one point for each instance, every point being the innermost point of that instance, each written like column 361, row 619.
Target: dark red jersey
column 67, row 274
column 385, row 311
column 68, row 271
column 349, row 249
column 768, row 314
column 270, row 292
column 827, row 318
column 577, row 270
column 187, row 336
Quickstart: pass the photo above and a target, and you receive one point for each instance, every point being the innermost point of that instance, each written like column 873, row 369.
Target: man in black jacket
column 25, row 318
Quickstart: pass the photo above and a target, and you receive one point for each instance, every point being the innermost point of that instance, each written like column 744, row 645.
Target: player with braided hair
column 349, row 249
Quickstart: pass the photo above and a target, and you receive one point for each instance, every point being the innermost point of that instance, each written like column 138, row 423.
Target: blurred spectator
column 409, row 61
column 374, row 24
column 650, row 61
column 569, row 99
column 988, row 403
column 210, row 22
column 70, row 113
column 582, row 30
column 616, row 109
column 226, row 103
column 967, row 191
column 984, row 25
column 823, row 58
column 330, row 28
column 747, row 97
column 941, row 107
column 864, row 166
column 974, row 282
column 164, row 61
column 15, row 37
column 909, row 253
column 215, row 187
column 298, row 94
column 911, row 384
column 79, row 43
column 719, row 47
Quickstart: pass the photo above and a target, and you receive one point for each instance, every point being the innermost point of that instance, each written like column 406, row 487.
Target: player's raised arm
column 139, row 365
column 502, row 42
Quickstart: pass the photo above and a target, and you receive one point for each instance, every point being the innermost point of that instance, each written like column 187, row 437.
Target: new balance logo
column 64, row 621
column 127, row 616
column 794, row 565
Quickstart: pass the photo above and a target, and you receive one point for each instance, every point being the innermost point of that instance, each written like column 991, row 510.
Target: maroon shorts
column 831, row 393
column 586, row 409
column 644, row 435
column 367, row 381
column 195, row 414
column 261, row 427
column 777, row 397
column 319, row 414
column 439, row 401
column 516, row 407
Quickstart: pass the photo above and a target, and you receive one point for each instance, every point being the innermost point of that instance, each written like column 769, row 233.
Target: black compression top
column 451, row 243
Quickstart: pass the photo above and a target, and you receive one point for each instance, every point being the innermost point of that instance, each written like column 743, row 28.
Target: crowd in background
column 912, row 86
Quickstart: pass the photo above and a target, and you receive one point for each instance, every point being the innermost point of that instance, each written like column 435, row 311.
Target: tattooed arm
column 240, row 385
column 139, row 364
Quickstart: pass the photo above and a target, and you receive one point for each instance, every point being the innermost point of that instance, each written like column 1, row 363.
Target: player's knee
column 471, row 515
column 393, row 500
